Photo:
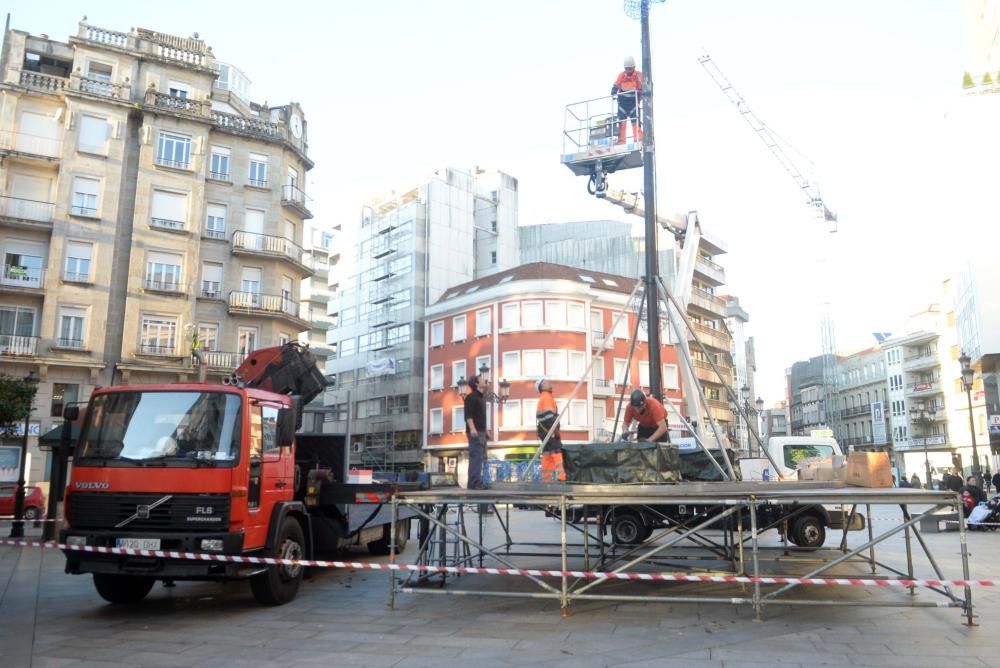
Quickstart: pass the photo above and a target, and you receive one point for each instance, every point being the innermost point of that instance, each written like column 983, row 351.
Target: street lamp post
column 967, row 377
column 760, row 422
column 756, row 410
column 17, row 528
column 924, row 417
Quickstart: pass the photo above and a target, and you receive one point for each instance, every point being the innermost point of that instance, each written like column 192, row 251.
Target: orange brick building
column 532, row 321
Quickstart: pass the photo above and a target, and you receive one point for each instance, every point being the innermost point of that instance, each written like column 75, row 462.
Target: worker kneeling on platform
column 626, row 89
column 548, row 412
column 651, row 416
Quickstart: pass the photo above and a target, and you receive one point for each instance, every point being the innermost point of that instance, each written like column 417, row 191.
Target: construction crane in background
column 771, row 140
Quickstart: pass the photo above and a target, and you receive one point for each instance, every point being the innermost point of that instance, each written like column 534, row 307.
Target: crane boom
column 808, row 188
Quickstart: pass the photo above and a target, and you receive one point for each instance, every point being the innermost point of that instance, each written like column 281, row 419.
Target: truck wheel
column 380, row 547
column 627, row 528
column 280, row 583
column 808, row 531
column 122, row 589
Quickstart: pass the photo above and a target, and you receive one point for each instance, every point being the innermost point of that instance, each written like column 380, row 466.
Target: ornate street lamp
column 488, row 394
column 967, row 377
column 924, row 417
column 17, row 528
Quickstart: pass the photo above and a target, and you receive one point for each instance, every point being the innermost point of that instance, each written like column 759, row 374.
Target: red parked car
column 34, row 501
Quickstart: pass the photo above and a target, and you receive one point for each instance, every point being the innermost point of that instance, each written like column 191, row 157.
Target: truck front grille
column 145, row 512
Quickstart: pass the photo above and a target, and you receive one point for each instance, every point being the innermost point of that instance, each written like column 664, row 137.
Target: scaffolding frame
column 685, row 546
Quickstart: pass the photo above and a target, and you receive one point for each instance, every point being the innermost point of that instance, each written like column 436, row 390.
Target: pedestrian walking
column 915, row 482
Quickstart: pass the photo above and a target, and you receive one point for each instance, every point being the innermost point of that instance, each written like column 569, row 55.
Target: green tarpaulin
column 620, row 462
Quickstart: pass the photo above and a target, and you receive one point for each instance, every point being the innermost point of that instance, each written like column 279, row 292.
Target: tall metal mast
column 640, row 9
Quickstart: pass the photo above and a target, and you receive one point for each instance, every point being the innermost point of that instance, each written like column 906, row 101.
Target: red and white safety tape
column 537, row 572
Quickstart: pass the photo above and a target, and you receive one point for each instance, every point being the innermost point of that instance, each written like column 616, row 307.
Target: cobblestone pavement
column 48, row 618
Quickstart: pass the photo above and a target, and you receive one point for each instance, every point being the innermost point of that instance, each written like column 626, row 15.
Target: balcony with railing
column 13, row 345
column 597, row 341
column 186, row 51
column 936, row 441
column 255, row 303
column 27, row 145
column 17, row 277
column 210, row 290
column 711, row 337
column 924, row 360
column 164, row 161
column 602, row 387
column 295, row 198
column 923, row 387
column 708, row 302
column 69, row 344
column 253, row 243
column 83, row 211
column 99, row 87
column 247, row 125
column 217, row 359
column 168, row 225
column 855, row 411
column 31, row 213
column 157, row 349
column 184, row 106
column 709, row 271
column 706, row 374
column 43, row 82
column 163, row 286
column 77, row 277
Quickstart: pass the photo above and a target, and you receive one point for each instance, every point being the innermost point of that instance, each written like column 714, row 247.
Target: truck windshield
column 797, row 452
column 176, row 428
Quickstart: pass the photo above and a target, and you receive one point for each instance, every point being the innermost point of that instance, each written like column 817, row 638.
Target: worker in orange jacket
column 627, row 89
column 552, row 458
column 651, row 416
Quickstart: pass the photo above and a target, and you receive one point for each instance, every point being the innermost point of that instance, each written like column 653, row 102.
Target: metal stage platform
column 718, row 536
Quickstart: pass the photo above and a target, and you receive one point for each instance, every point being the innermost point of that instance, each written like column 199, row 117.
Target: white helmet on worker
column 629, row 62
column 540, row 383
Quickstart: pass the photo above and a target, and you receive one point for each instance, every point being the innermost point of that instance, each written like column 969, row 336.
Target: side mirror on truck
column 71, row 413
column 286, row 427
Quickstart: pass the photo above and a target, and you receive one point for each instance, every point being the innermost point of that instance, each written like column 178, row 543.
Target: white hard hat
column 629, row 61
column 538, row 384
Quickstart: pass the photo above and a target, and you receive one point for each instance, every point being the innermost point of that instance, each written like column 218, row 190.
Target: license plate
column 138, row 543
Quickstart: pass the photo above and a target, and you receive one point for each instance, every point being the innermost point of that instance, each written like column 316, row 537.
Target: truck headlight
column 76, row 541
column 211, row 544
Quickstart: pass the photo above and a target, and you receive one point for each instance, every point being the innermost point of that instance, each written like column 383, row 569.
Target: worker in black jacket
column 475, row 432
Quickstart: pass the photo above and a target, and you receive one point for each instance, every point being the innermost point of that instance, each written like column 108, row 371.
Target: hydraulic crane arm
column 808, row 188
column 287, row 369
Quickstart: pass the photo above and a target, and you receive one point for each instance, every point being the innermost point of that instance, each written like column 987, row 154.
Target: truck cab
column 188, row 468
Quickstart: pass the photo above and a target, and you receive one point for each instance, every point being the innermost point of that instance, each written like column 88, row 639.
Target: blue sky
column 870, row 91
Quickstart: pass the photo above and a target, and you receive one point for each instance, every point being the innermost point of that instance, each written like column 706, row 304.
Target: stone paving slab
column 341, row 618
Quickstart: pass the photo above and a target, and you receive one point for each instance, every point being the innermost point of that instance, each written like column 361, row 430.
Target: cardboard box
column 869, row 469
column 823, row 469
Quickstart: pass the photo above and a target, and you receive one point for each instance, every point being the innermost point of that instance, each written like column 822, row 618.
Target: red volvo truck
column 216, row 469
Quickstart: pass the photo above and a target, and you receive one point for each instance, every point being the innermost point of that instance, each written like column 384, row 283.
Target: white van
column 787, row 452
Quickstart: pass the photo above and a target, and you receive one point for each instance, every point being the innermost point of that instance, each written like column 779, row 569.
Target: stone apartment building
column 144, row 200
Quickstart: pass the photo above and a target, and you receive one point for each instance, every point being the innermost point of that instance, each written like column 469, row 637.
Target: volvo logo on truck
column 86, row 484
